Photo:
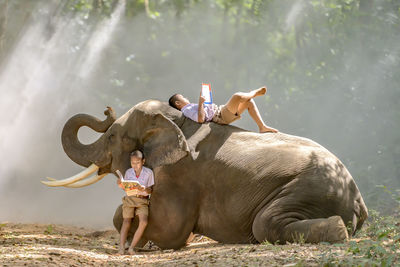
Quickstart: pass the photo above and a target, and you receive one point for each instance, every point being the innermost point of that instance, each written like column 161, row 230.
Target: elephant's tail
column 362, row 213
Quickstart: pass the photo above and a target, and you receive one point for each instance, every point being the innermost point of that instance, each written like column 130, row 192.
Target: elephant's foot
column 330, row 229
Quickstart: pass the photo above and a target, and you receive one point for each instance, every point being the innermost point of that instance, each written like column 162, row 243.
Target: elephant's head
column 150, row 126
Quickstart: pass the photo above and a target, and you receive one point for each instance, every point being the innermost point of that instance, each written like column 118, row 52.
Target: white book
column 206, row 93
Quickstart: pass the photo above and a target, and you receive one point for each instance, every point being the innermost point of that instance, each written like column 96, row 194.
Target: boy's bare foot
column 131, row 251
column 121, row 251
column 266, row 129
column 260, row 91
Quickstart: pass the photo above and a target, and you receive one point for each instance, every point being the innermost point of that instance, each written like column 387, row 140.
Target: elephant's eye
column 111, row 138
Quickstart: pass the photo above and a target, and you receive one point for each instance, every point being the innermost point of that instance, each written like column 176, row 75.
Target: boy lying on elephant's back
column 136, row 200
column 224, row 114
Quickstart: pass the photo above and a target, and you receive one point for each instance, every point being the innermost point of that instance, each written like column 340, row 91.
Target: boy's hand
column 202, row 99
column 118, row 181
column 201, row 116
column 140, row 188
column 149, row 190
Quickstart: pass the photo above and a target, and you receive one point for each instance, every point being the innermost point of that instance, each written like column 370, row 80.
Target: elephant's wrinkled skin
column 231, row 185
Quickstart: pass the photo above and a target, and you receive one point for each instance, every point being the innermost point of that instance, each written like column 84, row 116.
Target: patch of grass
column 266, row 243
column 299, row 238
column 377, row 244
column 2, row 225
column 49, row 230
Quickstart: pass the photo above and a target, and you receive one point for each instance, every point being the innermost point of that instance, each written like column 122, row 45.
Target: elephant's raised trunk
column 82, row 154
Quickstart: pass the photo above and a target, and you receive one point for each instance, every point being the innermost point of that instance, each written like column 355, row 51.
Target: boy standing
column 224, row 114
column 136, row 200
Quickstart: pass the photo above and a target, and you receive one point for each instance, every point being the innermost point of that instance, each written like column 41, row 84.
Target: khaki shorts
column 224, row 116
column 132, row 206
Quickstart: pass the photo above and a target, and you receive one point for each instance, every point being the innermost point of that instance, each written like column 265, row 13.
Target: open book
column 206, row 93
column 129, row 184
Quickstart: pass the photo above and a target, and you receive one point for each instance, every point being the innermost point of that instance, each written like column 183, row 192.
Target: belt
column 140, row 196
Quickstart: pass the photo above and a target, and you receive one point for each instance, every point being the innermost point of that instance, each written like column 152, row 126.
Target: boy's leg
column 139, row 232
column 255, row 114
column 126, row 224
column 238, row 98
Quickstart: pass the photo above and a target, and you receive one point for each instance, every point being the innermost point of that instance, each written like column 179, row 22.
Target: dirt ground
column 60, row 245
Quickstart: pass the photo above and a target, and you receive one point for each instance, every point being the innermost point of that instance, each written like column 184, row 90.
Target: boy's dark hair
column 138, row 154
column 172, row 100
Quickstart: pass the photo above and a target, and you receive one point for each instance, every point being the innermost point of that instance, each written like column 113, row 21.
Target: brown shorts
column 132, row 206
column 224, row 116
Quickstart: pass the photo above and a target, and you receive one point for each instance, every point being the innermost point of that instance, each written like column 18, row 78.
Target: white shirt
column 191, row 111
column 145, row 178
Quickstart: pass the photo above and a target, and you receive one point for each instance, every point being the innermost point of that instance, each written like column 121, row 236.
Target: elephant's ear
column 163, row 142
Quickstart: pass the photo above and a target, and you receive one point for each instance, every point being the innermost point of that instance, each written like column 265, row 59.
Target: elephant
column 220, row 181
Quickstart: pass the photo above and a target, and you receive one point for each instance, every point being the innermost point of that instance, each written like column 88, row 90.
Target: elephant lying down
column 223, row 182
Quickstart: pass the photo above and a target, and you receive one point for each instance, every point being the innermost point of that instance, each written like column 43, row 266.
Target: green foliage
column 395, row 196
column 298, row 238
column 381, row 227
column 266, row 243
column 308, row 51
column 91, row 7
column 377, row 244
column 49, row 230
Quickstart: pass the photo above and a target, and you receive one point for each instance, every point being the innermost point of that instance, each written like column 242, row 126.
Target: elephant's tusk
column 80, row 176
column 91, row 180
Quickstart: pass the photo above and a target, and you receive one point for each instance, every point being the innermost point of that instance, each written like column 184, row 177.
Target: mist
column 59, row 63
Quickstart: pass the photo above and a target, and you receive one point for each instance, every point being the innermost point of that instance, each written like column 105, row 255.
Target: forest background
column 332, row 68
